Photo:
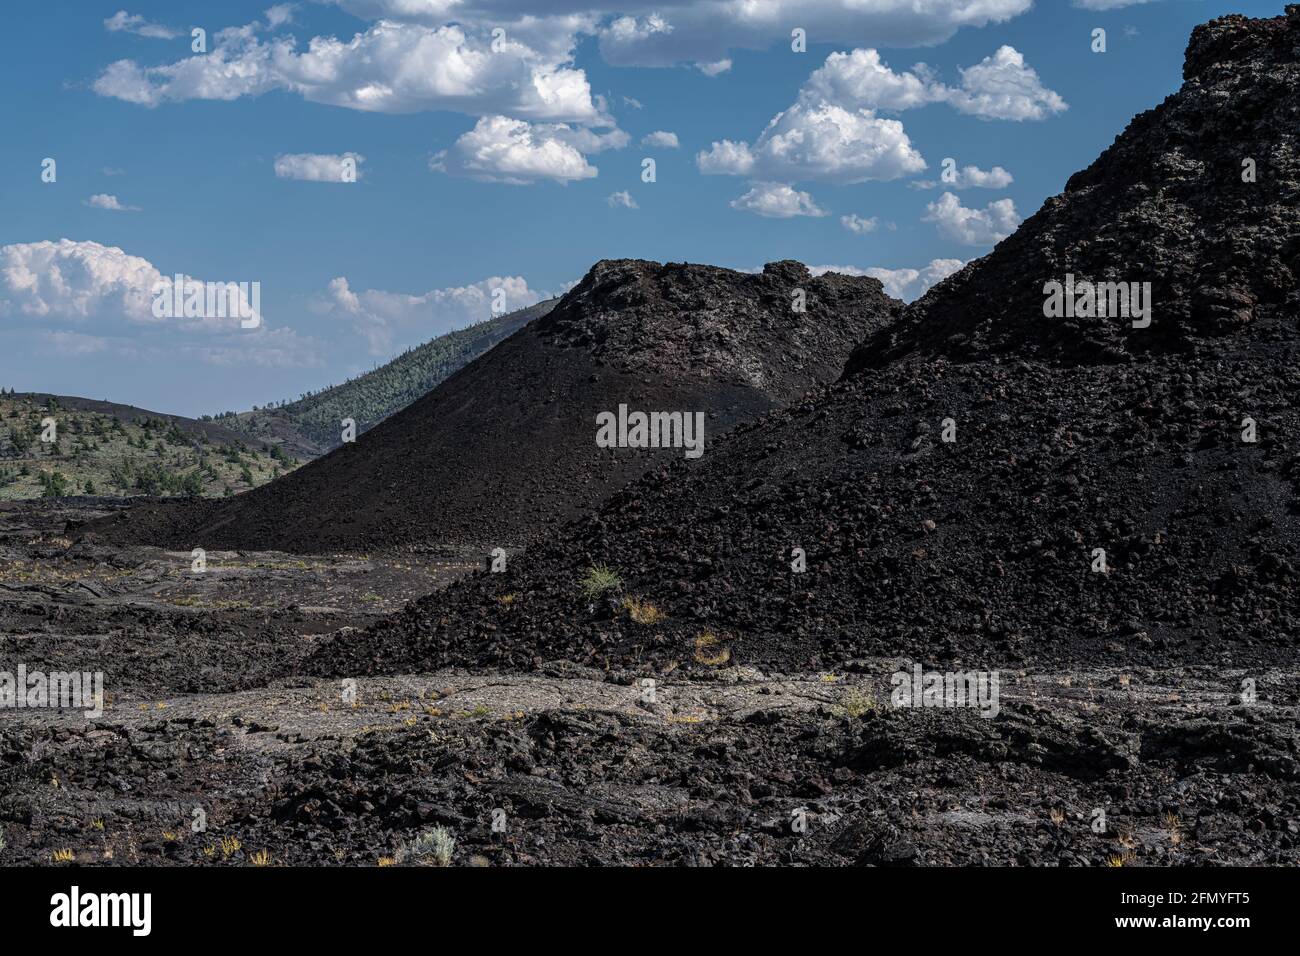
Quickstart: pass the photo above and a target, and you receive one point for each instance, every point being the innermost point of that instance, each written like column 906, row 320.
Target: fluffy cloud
column 84, row 297
column 661, row 139
column 504, row 150
column 419, row 10
column 861, row 78
column 670, row 32
column 833, row 133
column 910, row 284
column 622, row 198
column 725, row 158
column 109, row 202
column 970, row 177
column 905, row 284
column 820, row 142
column 587, row 140
column 390, row 320
column 856, row 224
column 279, row 15
column 1001, row 86
column 705, row 31
column 391, row 67
column 702, row 32
column 415, row 57
column 75, row 280
column 777, row 201
column 972, row 227
column 318, row 167
column 123, row 22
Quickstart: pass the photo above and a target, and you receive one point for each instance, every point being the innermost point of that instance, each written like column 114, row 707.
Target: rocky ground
column 209, row 709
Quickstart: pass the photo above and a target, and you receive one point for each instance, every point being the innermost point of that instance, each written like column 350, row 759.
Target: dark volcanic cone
column 1165, row 204
column 507, row 446
column 1073, row 437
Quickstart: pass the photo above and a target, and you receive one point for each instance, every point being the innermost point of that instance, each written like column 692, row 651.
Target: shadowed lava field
column 209, row 709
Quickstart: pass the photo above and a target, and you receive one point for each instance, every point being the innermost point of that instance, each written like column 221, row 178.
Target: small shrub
column 599, row 580
column 857, row 702
column 434, row 846
column 710, row 651
column 642, row 612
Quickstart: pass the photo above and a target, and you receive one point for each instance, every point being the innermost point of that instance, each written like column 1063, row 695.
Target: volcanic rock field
column 475, row 619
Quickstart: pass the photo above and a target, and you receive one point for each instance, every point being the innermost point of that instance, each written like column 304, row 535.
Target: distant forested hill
column 310, row 426
column 60, row 445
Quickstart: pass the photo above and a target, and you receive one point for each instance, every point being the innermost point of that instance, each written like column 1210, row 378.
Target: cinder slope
column 505, row 448
column 1072, row 437
column 309, row 427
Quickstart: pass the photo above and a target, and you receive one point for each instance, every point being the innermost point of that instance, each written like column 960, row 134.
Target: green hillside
column 100, row 448
column 312, row 426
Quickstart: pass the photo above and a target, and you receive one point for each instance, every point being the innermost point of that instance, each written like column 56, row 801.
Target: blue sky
column 512, row 168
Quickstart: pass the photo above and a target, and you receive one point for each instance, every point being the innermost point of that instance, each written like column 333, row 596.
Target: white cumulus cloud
column 661, row 138
column 390, row 320
column 279, row 15
column 857, row 224
column 820, row 142
column 972, row 227
column 706, row 31
column 833, row 132
column 109, row 202
column 80, row 296
column 910, row 284
column 505, row 150
column 391, row 67
column 1001, row 86
column 622, row 198
column 777, row 201
column 970, row 177
column 862, row 79
column 905, row 284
